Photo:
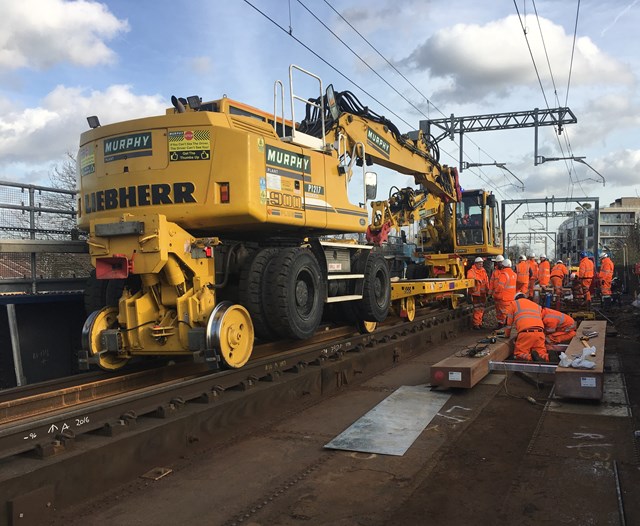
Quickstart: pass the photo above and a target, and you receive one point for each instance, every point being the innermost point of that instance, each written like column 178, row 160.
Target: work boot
column 535, row 357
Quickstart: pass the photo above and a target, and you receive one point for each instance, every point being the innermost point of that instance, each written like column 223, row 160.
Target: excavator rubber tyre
column 376, row 292
column 253, row 291
column 296, row 290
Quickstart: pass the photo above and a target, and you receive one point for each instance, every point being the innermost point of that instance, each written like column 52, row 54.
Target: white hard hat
column 498, row 258
column 559, row 261
column 506, row 263
column 523, row 257
column 532, row 255
column 604, row 255
column 543, row 256
column 478, row 260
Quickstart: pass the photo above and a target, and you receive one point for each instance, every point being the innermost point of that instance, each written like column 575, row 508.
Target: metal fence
column 41, row 249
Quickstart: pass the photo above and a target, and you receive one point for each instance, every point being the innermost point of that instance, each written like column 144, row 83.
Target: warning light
column 208, row 251
column 224, row 192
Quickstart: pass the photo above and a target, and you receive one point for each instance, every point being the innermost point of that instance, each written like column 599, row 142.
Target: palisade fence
column 41, row 249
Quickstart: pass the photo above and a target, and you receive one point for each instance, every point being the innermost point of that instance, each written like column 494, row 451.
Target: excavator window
column 469, row 222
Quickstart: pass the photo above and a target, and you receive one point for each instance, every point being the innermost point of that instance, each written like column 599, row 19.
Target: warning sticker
column 86, row 161
column 189, row 145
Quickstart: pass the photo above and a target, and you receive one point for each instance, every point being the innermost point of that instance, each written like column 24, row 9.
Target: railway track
column 47, row 418
column 61, row 447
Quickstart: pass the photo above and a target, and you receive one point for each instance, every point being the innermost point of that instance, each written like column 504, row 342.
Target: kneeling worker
column 526, row 317
column 558, row 327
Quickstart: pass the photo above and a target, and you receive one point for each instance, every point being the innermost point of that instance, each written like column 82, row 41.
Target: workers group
column 539, row 328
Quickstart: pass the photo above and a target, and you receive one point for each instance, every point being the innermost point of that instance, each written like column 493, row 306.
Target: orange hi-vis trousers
column 501, row 311
column 585, row 283
column 522, row 286
column 561, row 336
column 527, row 342
column 478, row 302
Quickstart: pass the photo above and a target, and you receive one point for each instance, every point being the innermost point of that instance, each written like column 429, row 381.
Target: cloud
column 38, row 34
column 620, row 168
column 603, row 115
column 473, row 62
column 45, row 133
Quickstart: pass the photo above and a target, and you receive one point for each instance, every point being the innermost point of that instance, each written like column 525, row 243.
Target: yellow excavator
column 209, row 226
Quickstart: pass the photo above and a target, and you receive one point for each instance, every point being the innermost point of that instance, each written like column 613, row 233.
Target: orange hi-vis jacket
column 523, row 272
column 481, row 280
column 585, row 269
column 493, row 281
column 505, row 289
column 524, row 315
column 559, row 270
column 556, row 321
column 544, row 273
column 534, row 270
column 606, row 269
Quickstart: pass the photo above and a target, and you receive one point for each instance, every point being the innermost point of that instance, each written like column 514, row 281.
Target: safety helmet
column 520, row 295
column 478, row 260
column 523, row 257
column 499, row 258
column 506, row 263
column 583, row 254
column 559, row 261
column 604, row 255
column 543, row 256
column 532, row 256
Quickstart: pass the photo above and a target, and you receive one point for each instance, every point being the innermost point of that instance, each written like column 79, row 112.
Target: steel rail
column 49, row 431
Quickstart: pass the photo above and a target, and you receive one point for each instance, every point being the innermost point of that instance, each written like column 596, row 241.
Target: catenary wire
column 429, row 103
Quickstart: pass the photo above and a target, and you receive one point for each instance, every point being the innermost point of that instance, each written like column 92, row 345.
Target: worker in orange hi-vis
column 544, row 271
column 533, row 275
column 523, row 272
column 479, row 292
column 526, row 317
column 558, row 327
column 606, row 274
column 497, row 268
column 585, row 275
column 559, row 273
column 504, row 292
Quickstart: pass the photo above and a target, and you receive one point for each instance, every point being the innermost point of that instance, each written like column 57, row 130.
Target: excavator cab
column 477, row 224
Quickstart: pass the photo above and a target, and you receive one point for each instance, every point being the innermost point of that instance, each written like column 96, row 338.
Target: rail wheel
column 297, row 289
column 253, row 293
column 454, row 301
column 408, row 308
column 106, row 318
column 366, row 327
column 230, row 333
column 376, row 293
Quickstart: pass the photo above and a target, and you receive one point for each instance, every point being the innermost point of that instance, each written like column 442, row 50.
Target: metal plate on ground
column 393, row 425
column 614, row 400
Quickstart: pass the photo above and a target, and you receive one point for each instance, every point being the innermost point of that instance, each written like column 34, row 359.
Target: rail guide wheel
column 99, row 320
column 366, row 327
column 230, row 333
column 454, row 301
column 408, row 308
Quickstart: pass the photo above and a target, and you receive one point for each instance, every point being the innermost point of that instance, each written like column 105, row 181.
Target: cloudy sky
column 62, row 60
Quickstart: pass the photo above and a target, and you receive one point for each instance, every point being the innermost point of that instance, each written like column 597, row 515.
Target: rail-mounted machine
column 215, row 224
